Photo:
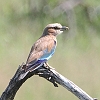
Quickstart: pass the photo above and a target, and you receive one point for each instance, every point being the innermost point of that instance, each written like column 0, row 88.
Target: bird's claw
column 48, row 66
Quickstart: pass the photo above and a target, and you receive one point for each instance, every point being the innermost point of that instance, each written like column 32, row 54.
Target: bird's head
column 54, row 29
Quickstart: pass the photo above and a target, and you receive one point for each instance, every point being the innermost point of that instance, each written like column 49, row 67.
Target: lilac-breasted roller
column 43, row 49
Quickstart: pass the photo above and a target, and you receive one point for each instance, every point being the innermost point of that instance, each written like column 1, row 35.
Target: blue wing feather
column 47, row 55
column 36, row 65
column 40, row 53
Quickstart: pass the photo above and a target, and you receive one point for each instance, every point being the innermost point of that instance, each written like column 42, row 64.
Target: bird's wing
column 38, row 50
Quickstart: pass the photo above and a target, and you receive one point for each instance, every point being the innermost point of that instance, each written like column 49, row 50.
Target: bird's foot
column 48, row 66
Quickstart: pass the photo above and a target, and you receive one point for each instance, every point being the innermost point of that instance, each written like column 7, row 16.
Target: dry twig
column 49, row 74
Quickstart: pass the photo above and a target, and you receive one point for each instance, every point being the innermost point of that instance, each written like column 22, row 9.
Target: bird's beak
column 64, row 28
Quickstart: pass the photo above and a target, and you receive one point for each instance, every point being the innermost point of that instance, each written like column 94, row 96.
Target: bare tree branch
column 49, row 74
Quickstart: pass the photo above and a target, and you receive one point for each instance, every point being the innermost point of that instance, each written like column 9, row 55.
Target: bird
column 44, row 48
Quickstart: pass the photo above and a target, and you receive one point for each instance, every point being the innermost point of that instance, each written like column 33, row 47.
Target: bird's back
column 42, row 49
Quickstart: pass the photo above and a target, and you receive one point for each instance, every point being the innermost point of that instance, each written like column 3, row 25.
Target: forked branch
column 49, row 74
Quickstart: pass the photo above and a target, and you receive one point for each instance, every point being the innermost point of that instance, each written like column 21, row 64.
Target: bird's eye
column 56, row 28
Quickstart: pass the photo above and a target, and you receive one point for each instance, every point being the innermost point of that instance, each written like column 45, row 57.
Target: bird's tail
column 22, row 76
column 24, row 72
column 31, row 68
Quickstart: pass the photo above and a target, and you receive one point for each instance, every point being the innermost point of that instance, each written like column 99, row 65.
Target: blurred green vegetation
column 77, row 56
